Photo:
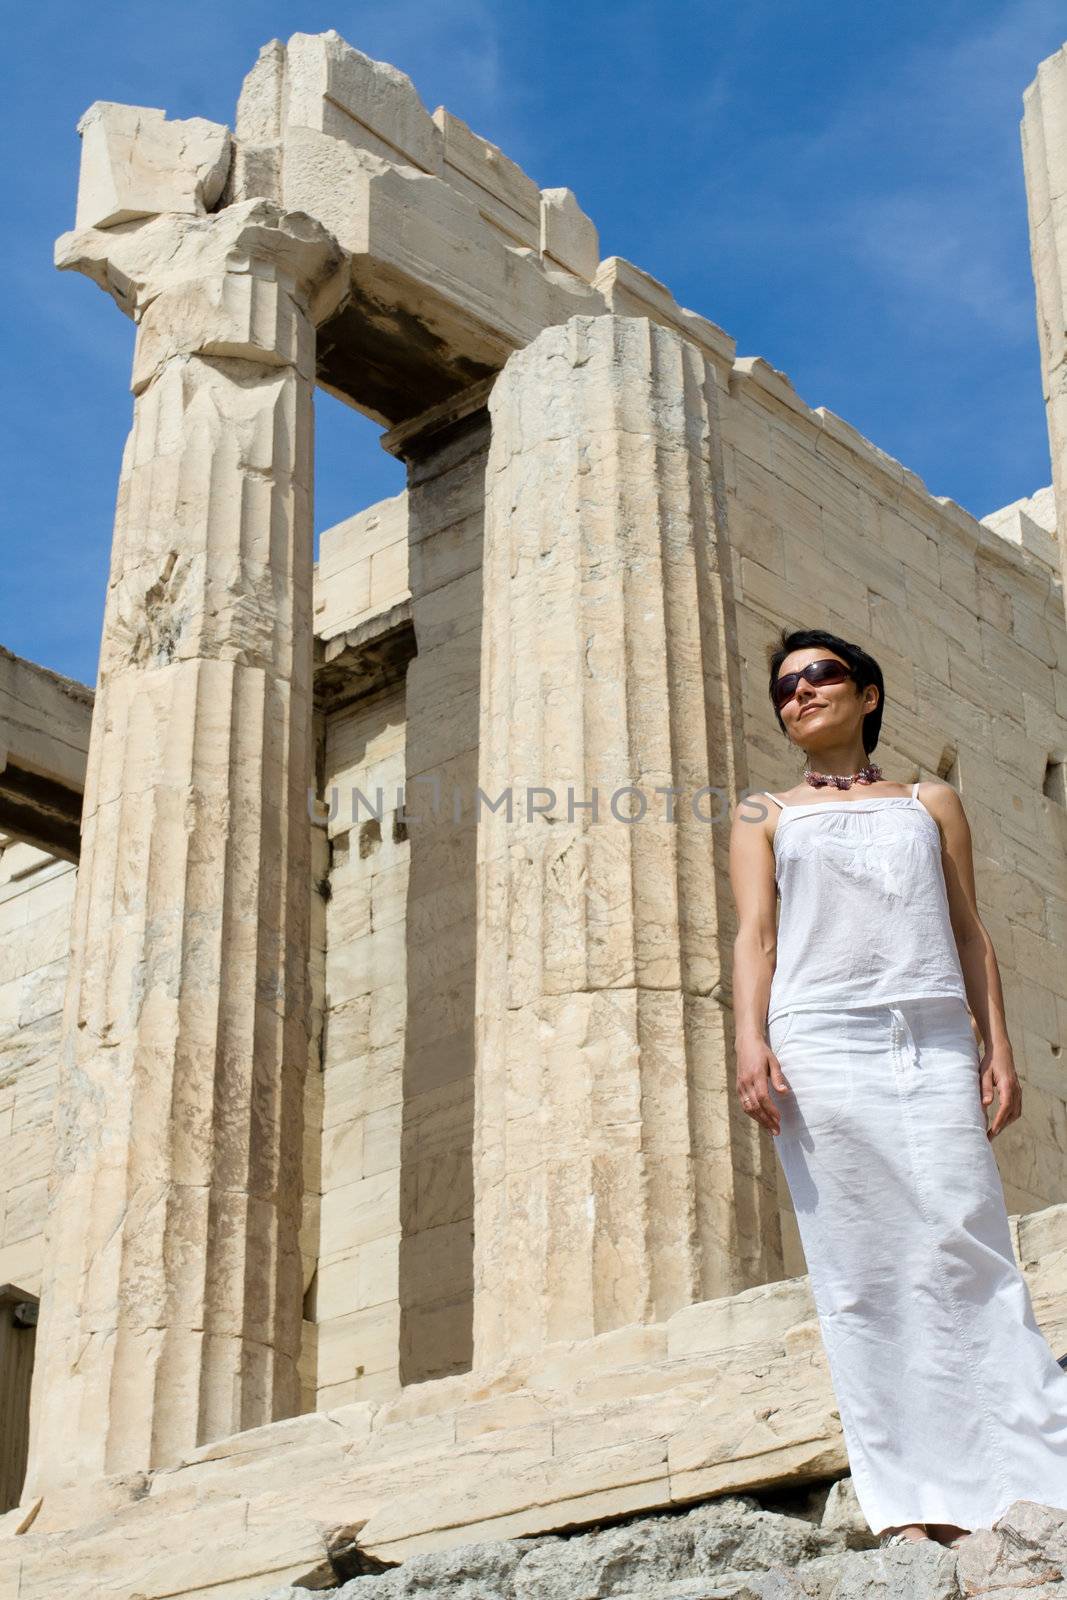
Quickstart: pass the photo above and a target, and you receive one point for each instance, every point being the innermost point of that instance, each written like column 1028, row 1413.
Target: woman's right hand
column 758, row 1068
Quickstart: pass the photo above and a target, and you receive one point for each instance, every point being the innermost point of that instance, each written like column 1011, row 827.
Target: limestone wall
column 446, row 504
column 968, row 625
column 362, row 568
column 36, row 895
column 313, row 1097
column 355, row 1298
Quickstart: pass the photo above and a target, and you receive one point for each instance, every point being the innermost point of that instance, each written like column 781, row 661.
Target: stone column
column 172, row 1291
column 615, row 1178
column 1044, row 139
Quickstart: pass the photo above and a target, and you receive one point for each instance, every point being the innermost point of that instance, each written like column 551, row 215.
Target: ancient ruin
column 369, row 1144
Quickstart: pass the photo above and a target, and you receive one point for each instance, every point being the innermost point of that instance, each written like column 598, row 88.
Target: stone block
column 355, row 1213
column 360, row 1342
column 1029, row 524
column 259, row 104
column 137, row 163
column 338, row 90
column 343, row 573
column 568, row 236
column 755, row 1316
column 504, row 195
column 630, row 292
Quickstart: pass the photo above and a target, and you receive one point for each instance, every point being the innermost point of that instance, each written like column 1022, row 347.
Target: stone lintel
column 44, row 720
column 458, row 257
column 44, row 741
column 12, row 1295
column 40, row 813
column 363, row 659
column 439, row 297
column 410, row 441
column 385, row 353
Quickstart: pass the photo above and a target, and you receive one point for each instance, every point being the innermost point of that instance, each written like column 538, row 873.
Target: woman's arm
column 755, row 948
column 977, row 959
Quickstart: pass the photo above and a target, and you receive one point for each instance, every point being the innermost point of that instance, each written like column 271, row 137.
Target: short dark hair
column 864, row 666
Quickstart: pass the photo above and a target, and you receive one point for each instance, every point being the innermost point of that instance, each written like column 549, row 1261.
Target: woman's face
column 820, row 714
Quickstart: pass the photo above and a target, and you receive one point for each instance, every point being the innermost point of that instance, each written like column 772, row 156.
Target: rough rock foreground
column 813, row 1547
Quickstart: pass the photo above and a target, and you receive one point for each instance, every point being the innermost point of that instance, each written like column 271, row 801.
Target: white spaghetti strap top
column 865, row 917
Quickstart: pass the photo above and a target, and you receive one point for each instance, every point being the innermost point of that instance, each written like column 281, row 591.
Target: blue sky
column 839, row 187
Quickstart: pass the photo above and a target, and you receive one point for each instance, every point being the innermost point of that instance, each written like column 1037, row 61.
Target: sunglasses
column 825, row 671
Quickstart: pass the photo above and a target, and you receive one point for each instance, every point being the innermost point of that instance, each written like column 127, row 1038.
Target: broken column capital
column 215, row 285
column 137, row 261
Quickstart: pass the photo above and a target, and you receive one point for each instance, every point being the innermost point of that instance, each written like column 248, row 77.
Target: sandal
column 888, row 1539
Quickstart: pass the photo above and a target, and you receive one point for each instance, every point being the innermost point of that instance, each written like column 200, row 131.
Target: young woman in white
column 855, row 1048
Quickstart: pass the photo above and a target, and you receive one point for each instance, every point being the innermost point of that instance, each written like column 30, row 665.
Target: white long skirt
column 952, row 1404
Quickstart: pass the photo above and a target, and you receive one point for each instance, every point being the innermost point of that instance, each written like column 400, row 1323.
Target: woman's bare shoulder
column 752, row 811
column 940, row 799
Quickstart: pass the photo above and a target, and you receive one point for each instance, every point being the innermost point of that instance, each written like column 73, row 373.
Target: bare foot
column 911, row 1532
column 947, row 1532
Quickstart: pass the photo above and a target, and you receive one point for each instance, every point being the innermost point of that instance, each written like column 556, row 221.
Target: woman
column 869, row 1077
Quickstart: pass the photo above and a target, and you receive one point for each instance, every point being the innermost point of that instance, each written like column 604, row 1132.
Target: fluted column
column 1044, row 139
column 172, row 1295
column 615, row 1180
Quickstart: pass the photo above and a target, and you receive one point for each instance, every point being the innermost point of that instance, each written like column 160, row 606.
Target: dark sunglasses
column 825, row 671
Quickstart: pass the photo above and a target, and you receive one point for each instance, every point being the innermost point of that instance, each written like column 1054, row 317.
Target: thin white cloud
column 938, row 243
column 933, row 250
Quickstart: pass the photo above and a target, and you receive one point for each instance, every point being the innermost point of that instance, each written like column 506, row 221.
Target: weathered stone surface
column 502, row 192
column 338, row 90
column 1044, row 142
column 1031, row 524
column 44, row 722
column 172, row 1287
column 450, row 269
column 732, row 1547
column 630, row 292
column 362, row 570
column 582, row 1432
column 568, row 236
column 36, row 895
column 449, row 273
column 614, row 1183
column 165, row 257
column 136, row 163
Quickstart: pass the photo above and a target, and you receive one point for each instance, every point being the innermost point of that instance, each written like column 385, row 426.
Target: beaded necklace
column 870, row 773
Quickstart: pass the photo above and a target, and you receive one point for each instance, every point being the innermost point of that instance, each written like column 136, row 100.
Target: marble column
column 171, row 1304
column 615, row 1179
column 1044, row 140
